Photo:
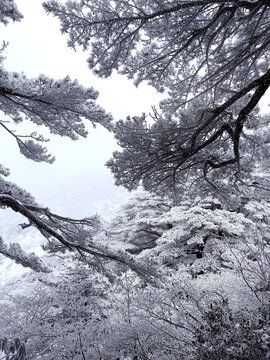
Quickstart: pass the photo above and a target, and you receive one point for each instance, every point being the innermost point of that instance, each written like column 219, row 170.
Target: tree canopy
column 62, row 106
column 181, row 277
column 211, row 60
column 212, row 297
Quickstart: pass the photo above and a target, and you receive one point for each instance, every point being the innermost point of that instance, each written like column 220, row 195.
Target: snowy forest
column 182, row 270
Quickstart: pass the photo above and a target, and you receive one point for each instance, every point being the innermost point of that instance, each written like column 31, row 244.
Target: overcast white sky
column 77, row 184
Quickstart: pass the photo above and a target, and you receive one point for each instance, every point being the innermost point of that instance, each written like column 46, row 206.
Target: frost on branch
column 12, row 349
column 9, row 11
column 138, row 224
column 212, row 60
column 59, row 105
column 4, row 171
column 11, row 189
column 34, row 151
column 16, row 253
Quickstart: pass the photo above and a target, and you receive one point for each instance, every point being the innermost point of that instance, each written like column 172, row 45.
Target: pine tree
column 211, row 58
column 62, row 106
column 138, row 223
